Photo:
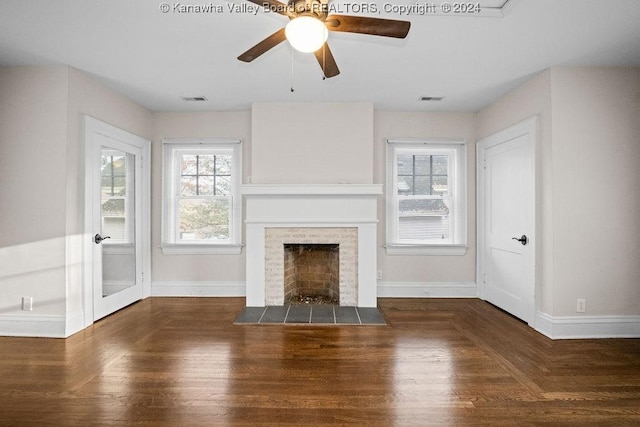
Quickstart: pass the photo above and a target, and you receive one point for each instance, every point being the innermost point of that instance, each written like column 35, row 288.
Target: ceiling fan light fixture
column 306, row 33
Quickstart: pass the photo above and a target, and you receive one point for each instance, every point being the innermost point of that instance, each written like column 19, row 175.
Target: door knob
column 98, row 238
column 524, row 240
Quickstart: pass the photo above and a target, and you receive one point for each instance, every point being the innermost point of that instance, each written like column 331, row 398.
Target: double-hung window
column 201, row 202
column 426, row 197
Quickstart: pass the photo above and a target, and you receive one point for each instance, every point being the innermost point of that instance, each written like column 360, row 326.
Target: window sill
column 412, row 249
column 196, row 249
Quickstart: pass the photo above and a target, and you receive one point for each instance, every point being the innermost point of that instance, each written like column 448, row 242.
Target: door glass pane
column 117, row 209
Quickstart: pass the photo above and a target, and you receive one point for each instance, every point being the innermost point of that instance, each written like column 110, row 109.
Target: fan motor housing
column 315, row 8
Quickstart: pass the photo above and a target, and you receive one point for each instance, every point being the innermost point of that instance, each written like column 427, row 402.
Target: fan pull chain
column 292, row 88
column 324, row 61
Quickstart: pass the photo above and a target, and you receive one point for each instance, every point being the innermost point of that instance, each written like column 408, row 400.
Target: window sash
column 179, row 238
column 205, row 234
column 438, row 220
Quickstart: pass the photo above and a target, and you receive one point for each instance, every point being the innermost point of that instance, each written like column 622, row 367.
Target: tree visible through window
column 114, row 196
column 205, row 191
column 202, row 180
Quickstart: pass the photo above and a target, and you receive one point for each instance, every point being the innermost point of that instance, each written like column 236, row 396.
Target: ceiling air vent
column 194, row 98
column 431, row 98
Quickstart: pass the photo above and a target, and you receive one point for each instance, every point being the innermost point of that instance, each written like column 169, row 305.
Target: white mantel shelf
column 311, row 190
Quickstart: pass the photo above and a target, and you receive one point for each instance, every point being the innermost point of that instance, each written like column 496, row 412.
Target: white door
column 115, row 217
column 506, row 219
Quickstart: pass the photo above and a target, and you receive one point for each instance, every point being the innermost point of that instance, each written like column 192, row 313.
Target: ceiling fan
column 304, row 14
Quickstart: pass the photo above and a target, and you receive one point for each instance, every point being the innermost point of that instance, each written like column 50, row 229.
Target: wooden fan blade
column 273, row 6
column 266, row 44
column 366, row 25
column 327, row 61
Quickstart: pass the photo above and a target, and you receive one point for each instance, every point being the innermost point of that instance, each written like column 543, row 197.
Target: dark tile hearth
column 303, row 314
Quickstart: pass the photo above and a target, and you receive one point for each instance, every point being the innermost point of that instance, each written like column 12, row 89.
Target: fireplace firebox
column 312, row 273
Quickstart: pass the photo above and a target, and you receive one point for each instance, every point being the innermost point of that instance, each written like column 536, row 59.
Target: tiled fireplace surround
column 342, row 214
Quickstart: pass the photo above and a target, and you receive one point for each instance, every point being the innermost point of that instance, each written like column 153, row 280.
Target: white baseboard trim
column 427, row 290
column 42, row 326
column 385, row 289
column 75, row 323
column 198, row 289
column 582, row 327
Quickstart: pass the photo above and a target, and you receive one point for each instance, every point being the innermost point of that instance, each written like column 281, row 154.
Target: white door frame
column 94, row 126
column 529, row 128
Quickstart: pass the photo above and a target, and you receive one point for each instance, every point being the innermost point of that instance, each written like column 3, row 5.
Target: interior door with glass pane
column 116, row 169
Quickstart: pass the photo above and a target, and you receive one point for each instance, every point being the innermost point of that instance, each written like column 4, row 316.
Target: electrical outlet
column 581, row 305
column 379, row 275
column 27, row 303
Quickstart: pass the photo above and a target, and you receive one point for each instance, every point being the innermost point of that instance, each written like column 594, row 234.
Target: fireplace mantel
column 312, row 206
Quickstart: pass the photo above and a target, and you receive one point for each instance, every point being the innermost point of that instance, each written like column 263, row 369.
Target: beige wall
column 33, row 138
column 41, row 160
column 588, row 198
column 206, row 268
column 596, row 150
column 32, row 153
column 588, row 179
column 88, row 97
column 312, row 143
column 425, row 269
column 532, row 99
column 194, row 268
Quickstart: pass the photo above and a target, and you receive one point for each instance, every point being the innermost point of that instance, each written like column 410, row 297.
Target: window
column 201, row 202
column 426, row 198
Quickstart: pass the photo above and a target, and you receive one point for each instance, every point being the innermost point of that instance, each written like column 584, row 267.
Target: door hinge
column 142, row 277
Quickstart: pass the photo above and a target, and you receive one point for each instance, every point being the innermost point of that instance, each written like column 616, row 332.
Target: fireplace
column 343, row 217
column 312, row 273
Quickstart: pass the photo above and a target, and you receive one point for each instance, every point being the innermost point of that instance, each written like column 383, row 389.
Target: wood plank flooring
column 181, row 361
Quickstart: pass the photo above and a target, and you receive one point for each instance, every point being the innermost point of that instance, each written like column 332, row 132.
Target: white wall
column 311, row 143
column 421, row 270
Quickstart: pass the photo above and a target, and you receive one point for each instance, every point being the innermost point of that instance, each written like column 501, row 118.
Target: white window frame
column 458, row 186
column 171, row 147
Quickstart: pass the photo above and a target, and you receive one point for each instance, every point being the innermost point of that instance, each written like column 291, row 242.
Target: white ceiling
column 157, row 58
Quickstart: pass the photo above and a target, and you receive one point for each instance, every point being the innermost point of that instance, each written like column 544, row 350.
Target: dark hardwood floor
column 181, row 361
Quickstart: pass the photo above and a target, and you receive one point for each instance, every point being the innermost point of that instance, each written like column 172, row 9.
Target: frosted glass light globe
column 306, row 33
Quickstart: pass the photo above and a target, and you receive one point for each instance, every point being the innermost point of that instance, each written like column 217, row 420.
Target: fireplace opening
column 311, row 273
